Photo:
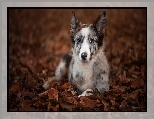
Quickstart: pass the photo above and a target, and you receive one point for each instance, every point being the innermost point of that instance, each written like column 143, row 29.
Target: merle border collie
column 86, row 65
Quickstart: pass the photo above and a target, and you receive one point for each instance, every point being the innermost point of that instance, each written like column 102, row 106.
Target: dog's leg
column 60, row 72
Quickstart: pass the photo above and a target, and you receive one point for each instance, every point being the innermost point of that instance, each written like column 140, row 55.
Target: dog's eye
column 90, row 40
column 79, row 40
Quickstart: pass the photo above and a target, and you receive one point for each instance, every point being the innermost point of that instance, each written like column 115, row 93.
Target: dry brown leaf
column 66, row 106
column 86, row 102
column 105, row 105
column 40, row 104
column 66, row 86
column 137, row 83
column 54, row 108
column 53, row 94
column 69, row 97
column 14, row 88
column 121, row 78
column 134, row 76
column 30, row 82
column 25, row 106
column 123, row 104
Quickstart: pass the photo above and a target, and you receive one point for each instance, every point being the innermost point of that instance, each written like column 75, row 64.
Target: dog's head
column 87, row 39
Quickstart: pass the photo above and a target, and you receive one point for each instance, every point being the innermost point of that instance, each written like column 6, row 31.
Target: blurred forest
column 37, row 40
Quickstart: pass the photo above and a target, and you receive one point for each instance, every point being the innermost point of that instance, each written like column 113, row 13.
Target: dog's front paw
column 87, row 92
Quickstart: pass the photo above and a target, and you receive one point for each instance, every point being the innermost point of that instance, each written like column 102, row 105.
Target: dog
column 86, row 64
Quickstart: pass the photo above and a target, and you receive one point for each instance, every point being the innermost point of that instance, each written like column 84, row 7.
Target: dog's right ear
column 75, row 24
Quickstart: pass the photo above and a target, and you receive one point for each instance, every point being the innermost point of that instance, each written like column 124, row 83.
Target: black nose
column 84, row 55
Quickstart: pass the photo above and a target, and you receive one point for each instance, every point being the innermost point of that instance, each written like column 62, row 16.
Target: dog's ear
column 75, row 24
column 100, row 23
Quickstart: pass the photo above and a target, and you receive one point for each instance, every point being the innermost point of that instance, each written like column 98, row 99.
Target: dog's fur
column 86, row 64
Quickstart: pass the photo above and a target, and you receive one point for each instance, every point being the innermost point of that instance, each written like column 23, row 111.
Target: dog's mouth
column 84, row 61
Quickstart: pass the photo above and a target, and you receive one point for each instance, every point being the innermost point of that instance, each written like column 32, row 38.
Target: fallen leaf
column 65, row 105
column 123, row 104
column 87, row 102
column 14, row 88
column 66, row 86
column 137, row 83
column 25, row 106
column 38, row 103
column 53, row 94
column 53, row 108
column 69, row 97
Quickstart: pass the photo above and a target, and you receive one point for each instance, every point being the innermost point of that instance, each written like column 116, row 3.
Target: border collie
column 86, row 65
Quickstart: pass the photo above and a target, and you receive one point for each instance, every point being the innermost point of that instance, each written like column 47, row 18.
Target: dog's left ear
column 100, row 23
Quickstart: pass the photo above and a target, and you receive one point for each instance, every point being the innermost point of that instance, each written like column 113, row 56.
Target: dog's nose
column 84, row 55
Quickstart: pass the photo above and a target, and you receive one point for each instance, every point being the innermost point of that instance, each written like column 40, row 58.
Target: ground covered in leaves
column 38, row 38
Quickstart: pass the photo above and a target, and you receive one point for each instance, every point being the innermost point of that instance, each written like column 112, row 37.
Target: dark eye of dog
column 90, row 40
column 78, row 40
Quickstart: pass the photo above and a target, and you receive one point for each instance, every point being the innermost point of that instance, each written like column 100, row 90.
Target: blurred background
column 35, row 33
column 38, row 38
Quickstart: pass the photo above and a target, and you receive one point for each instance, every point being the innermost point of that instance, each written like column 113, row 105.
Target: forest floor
column 37, row 40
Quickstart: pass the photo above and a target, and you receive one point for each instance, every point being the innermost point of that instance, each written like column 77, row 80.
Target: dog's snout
column 84, row 55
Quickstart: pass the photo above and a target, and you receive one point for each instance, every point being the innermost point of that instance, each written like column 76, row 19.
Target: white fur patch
column 85, row 46
column 85, row 31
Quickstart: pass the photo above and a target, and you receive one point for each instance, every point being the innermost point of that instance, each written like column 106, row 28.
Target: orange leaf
column 53, row 94
column 14, row 88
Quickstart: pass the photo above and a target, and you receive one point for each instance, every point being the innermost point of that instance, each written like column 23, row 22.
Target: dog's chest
column 82, row 71
column 80, row 74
